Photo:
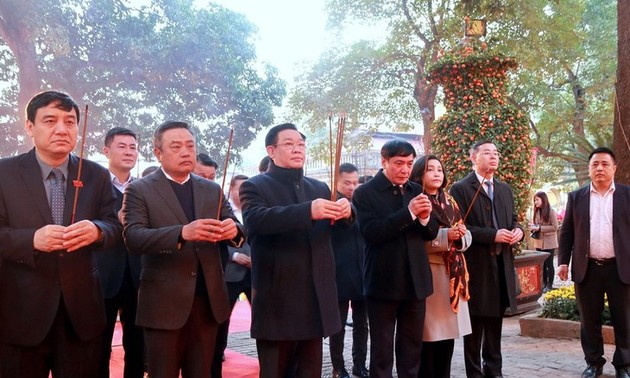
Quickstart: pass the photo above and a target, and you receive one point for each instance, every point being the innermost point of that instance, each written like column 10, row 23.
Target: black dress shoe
column 622, row 371
column 592, row 371
column 342, row 373
column 360, row 372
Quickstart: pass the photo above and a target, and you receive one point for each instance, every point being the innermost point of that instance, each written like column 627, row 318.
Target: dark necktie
column 58, row 199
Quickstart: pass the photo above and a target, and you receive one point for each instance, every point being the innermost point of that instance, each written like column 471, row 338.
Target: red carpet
column 236, row 365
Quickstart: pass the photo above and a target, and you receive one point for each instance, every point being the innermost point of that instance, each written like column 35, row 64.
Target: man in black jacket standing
column 349, row 249
column 594, row 239
column 120, row 270
column 288, row 218
column 394, row 217
column 495, row 229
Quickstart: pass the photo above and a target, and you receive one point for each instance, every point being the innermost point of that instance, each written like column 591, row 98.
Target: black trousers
column 290, row 359
column 124, row 303
column 359, row 335
column 600, row 280
column 484, row 342
column 405, row 319
column 436, row 359
column 549, row 272
column 187, row 348
column 61, row 352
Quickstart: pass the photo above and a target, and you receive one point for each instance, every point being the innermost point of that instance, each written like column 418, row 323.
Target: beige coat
column 440, row 322
column 548, row 232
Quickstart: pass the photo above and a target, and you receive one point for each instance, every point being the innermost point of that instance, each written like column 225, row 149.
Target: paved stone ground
column 522, row 356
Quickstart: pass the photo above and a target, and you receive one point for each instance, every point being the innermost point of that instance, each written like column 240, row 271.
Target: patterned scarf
column 446, row 212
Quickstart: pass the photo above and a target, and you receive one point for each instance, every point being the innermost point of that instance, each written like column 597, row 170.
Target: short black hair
column 150, row 169
column 272, row 135
column 206, row 160
column 347, row 168
column 237, row 178
column 264, row 164
column 168, row 125
column 365, row 178
column 111, row 133
column 480, row 143
column 603, row 150
column 397, row 147
column 61, row 100
column 420, row 166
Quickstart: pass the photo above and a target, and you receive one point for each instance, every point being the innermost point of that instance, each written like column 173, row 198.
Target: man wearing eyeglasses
column 288, row 217
column 495, row 229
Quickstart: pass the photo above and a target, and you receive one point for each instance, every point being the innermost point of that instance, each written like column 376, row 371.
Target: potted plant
column 560, row 318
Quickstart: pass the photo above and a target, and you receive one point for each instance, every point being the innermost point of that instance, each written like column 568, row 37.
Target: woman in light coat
column 546, row 223
column 447, row 316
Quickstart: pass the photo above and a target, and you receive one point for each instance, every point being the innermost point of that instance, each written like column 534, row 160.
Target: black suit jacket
column 575, row 232
column 484, row 280
column 293, row 269
column 113, row 263
column 32, row 282
column 396, row 262
column 235, row 272
column 153, row 219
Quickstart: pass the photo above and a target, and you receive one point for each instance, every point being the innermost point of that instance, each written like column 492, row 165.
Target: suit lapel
column 164, row 190
column 584, row 198
column 32, row 176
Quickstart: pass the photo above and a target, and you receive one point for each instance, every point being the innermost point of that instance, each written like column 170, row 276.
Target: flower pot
column 533, row 326
column 528, row 266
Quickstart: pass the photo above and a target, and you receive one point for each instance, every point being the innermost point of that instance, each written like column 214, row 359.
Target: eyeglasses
column 292, row 146
column 488, row 154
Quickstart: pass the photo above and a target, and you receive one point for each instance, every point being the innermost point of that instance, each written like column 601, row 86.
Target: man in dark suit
column 492, row 281
column 51, row 308
column 595, row 238
column 394, row 217
column 169, row 217
column 349, row 250
column 119, row 270
column 238, row 276
column 288, row 218
column 206, row 167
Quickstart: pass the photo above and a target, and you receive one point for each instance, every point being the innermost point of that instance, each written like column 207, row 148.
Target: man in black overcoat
column 492, row 279
column 294, row 297
column 394, row 217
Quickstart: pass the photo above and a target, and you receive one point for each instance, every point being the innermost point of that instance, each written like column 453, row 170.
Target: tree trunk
column 621, row 127
column 19, row 36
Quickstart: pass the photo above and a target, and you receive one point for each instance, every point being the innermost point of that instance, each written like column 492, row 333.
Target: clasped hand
column 457, row 232
column 420, row 206
column 509, row 236
column 326, row 209
column 54, row 237
column 211, row 230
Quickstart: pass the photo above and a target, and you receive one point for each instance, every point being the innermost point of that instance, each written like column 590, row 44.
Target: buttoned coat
column 484, row 282
column 396, row 262
column 575, row 232
column 153, row 220
column 548, row 231
column 32, row 283
column 293, row 269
